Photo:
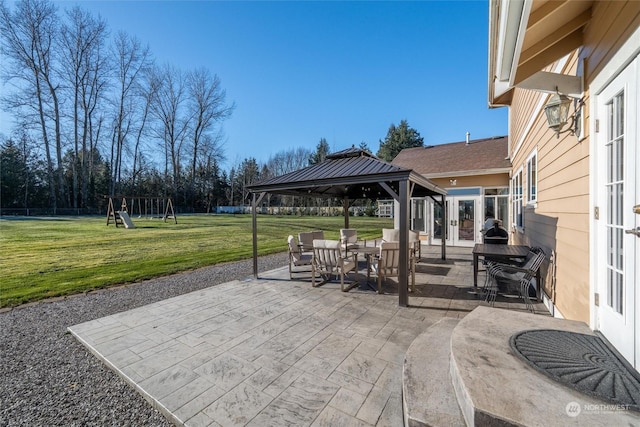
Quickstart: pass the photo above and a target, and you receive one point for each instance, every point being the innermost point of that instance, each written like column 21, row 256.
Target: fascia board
column 509, row 28
column 467, row 173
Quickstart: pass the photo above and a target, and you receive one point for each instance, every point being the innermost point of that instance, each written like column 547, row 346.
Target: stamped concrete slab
column 271, row 351
column 264, row 352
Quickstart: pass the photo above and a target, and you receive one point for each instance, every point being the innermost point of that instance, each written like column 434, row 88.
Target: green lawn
column 42, row 258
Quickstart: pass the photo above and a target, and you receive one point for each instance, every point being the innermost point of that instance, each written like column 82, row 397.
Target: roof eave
column 507, row 27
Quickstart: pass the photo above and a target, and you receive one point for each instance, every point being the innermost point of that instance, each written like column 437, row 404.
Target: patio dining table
column 498, row 252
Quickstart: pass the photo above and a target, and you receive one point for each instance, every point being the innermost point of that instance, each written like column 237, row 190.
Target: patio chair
column 512, row 278
column 393, row 235
column 522, row 263
column 297, row 258
column 387, row 264
column 349, row 239
column 328, row 261
column 306, row 239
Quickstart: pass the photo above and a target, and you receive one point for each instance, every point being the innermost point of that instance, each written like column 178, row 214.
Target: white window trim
column 515, row 197
column 532, row 201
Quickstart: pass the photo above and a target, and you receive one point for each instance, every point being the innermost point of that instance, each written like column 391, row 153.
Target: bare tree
column 82, row 39
column 146, row 92
column 207, row 104
column 284, row 162
column 168, row 108
column 132, row 60
column 29, row 41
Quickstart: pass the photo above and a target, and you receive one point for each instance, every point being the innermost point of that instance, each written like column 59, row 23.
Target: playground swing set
column 123, row 216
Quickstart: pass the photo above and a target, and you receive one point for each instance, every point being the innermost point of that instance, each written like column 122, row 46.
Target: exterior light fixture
column 557, row 111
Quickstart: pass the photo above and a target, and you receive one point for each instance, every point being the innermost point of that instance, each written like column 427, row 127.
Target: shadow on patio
column 273, row 351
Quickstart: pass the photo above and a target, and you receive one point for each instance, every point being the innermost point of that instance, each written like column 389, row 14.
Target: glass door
column 418, row 217
column 617, row 233
column 462, row 226
column 464, row 221
column 438, row 223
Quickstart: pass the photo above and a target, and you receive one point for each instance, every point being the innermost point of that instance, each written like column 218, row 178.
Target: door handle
column 635, row 231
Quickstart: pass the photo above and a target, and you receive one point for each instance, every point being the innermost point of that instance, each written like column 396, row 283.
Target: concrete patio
column 273, row 351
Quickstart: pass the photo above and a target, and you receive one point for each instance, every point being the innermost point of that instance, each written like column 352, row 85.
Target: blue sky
column 344, row 71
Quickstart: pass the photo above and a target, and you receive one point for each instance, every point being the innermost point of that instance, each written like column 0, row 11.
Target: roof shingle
column 478, row 155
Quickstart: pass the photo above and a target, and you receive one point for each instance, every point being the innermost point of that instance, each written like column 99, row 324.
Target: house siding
column 559, row 221
column 494, row 180
column 611, row 24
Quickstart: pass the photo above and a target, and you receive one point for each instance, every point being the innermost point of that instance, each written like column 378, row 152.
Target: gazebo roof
column 354, row 174
column 351, row 173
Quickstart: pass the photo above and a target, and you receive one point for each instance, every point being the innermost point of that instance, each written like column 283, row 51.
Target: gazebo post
column 403, row 276
column 254, row 226
column 443, row 251
column 345, row 211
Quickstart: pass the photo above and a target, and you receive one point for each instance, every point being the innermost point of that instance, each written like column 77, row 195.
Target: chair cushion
column 390, row 234
column 303, row 260
column 326, row 244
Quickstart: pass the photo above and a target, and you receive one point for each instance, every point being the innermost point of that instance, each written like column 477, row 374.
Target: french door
column 616, row 227
column 461, row 227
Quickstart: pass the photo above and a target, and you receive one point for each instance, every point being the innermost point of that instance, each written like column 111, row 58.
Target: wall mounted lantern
column 557, row 111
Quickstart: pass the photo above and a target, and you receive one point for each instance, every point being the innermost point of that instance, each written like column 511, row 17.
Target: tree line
column 96, row 115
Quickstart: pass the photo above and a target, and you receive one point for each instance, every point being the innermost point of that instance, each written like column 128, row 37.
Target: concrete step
column 429, row 398
column 464, row 372
column 495, row 387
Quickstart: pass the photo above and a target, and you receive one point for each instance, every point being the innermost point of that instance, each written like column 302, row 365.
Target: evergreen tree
column 322, row 150
column 397, row 139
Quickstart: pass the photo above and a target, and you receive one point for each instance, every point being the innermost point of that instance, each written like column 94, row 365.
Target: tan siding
column 521, row 111
column 560, row 220
column 578, row 186
column 559, row 174
column 496, row 180
column 572, row 290
column 568, row 204
column 600, row 40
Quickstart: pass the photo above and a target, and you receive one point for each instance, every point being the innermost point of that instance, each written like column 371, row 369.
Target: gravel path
column 47, row 378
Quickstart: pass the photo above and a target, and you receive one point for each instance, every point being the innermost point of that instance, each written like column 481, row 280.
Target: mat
column 582, row 362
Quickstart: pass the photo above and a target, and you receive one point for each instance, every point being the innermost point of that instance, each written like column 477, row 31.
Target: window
column 496, row 204
column 385, row 208
column 516, row 190
column 532, row 178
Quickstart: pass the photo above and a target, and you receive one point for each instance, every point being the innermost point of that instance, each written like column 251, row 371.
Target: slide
column 126, row 220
